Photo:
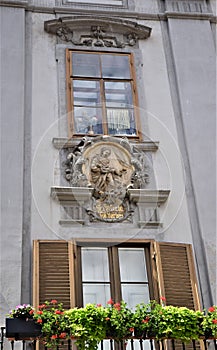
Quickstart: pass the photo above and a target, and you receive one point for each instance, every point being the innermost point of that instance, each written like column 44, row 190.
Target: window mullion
column 103, row 106
column 116, row 275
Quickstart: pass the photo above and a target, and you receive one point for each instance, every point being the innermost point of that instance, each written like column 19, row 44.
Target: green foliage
column 119, row 320
column 209, row 323
column 176, row 322
column 93, row 323
column 50, row 316
column 87, row 325
column 141, row 318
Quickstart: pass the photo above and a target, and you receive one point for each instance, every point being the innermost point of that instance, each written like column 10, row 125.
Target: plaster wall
column 196, row 76
column 44, row 127
column 12, row 133
column 167, row 161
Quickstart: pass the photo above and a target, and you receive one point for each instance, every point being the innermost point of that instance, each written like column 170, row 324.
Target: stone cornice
column 71, row 194
column 189, row 15
column 14, row 3
column 148, row 146
column 148, row 196
column 120, row 25
column 112, row 12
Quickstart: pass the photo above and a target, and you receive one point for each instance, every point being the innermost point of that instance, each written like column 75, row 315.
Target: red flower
column 117, row 306
column 58, row 312
column 31, row 312
column 99, row 305
column 110, row 302
column 42, row 306
column 162, row 298
column 62, row 335
column 211, row 309
column 131, row 329
column 39, row 312
column 107, row 318
column 53, row 301
column 214, row 321
column 146, row 320
column 39, row 320
column 54, row 336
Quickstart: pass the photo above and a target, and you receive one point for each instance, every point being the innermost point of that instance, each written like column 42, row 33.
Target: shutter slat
column 54, row 280
column 175, row 266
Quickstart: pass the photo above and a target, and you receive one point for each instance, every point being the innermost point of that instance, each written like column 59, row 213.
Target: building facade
column 108, row 112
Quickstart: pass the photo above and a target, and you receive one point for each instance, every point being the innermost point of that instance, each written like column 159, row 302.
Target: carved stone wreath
column 110, row 166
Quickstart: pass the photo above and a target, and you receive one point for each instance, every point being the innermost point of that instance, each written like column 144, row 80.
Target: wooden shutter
column 53, row 272
column 176, row 274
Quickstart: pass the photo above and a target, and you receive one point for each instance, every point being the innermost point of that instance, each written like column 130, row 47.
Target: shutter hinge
column 154, row 256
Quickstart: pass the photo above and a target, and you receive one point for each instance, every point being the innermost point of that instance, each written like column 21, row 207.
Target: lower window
column 77, row 273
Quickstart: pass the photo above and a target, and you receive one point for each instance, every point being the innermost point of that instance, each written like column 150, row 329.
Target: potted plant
column 87, row 325
column 119, row 320
column 209, row 323
column 141, row 318
column 50, row 316
column 176, row 322
column 20, row 323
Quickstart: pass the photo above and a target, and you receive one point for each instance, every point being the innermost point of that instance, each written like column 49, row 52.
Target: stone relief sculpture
column 109, row 168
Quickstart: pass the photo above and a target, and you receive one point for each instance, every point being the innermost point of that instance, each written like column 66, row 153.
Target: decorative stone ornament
column 97, row 32
column 110, row 167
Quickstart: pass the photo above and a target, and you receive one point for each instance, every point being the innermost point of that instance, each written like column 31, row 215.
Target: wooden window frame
column 114, row 268
column 69, row 94
column 158, row 262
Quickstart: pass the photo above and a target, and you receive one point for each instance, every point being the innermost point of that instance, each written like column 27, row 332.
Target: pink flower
column 53, row 301
column 110, row 302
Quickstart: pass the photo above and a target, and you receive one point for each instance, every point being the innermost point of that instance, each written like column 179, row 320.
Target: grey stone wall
column 12, row 153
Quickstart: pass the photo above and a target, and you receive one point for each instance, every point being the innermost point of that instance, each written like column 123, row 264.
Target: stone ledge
column 148, row 146
column 148, row 196
column 71, row 194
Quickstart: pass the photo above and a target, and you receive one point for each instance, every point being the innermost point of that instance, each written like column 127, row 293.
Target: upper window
column 98, row 2
column 101, row 94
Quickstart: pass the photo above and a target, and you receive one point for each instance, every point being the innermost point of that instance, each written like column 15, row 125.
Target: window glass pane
column 85, row 65
column 115, row 66
column 88, row 120
column 132, row 265
column 95, row 265
column 134, row 294
column 86, row 92
column 118, row 94
column 121, row 121
column 100, row 2
column 96, row 293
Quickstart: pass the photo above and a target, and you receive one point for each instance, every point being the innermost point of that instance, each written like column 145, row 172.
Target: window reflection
column 85, row 65
column 102, row 94
column 115, row 66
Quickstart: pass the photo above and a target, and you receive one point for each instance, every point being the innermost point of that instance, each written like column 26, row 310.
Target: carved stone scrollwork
column 97, row 38
column 110, row 167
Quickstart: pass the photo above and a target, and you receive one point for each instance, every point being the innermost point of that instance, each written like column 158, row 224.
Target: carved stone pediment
column 97, row 32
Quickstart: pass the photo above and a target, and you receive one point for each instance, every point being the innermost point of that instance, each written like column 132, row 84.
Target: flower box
column 22, row 328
